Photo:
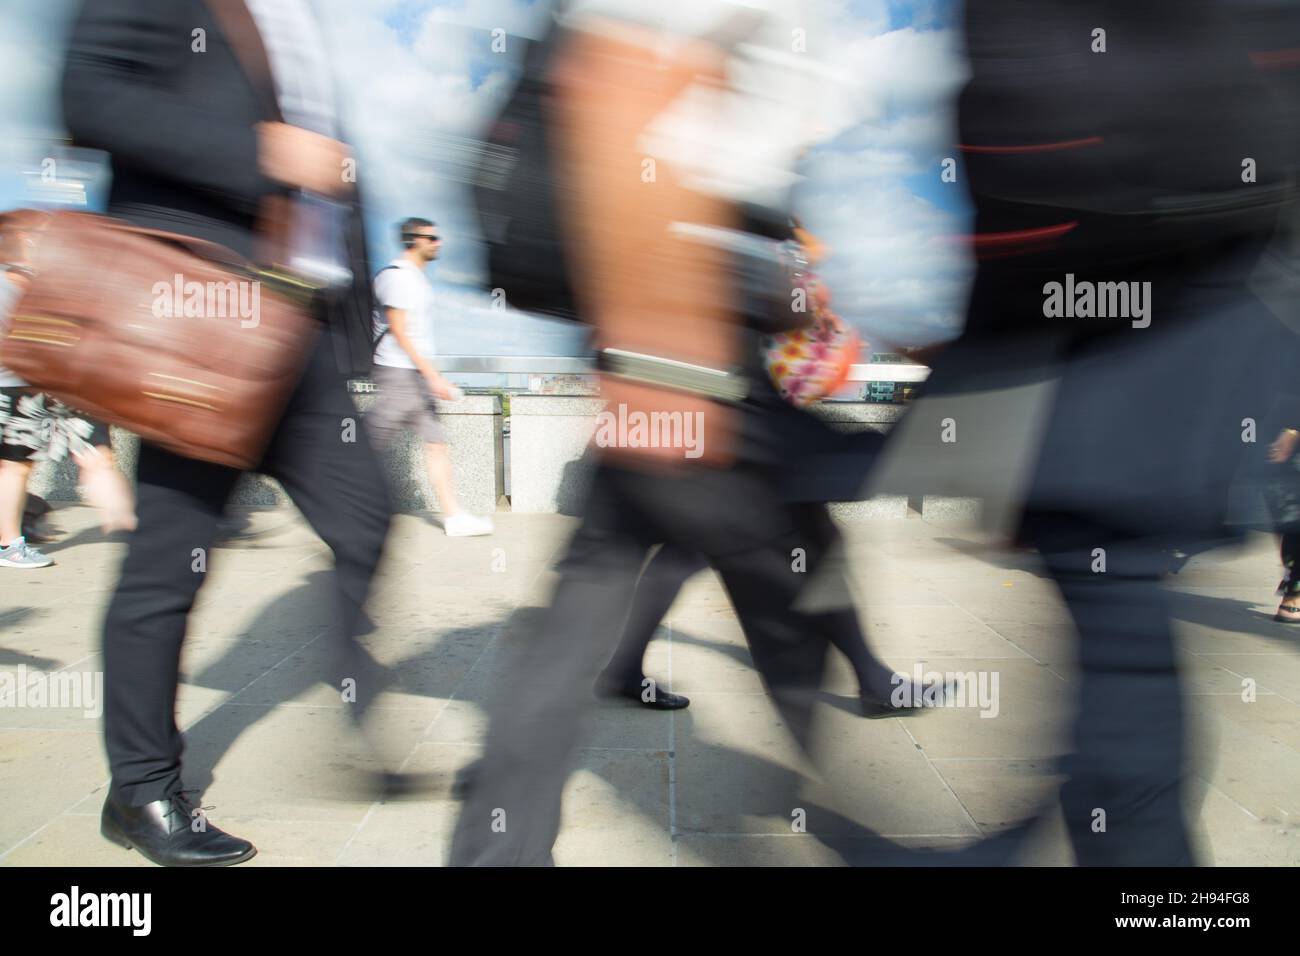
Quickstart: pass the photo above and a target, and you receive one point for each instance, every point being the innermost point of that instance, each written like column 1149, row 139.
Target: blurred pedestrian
column 680, row 341
column 1113, row 335
column 409, row 383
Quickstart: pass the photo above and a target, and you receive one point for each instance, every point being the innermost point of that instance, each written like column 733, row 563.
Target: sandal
column 1289, row 609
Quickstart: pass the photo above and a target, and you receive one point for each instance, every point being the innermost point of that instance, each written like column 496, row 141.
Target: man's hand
column 300, row 158
column 1284, row 447
column 441, row 388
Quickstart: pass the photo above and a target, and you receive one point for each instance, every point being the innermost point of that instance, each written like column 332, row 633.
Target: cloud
column 892, row 271
column 912, row 68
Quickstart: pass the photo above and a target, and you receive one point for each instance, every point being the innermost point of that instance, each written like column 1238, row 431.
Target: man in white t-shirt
column 408, row 383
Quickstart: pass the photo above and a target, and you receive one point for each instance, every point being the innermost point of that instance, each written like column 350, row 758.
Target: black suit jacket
column 179, row 125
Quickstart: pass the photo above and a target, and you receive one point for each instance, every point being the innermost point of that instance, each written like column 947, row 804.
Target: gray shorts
column 403, row 400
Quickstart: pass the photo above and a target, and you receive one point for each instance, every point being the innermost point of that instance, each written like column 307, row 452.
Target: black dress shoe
column 663, row 700
column 931, row 696
column 659, row 700
column 165, row 832
column 873, row 709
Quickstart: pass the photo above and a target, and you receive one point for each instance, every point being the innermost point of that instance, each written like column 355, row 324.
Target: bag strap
column 380, row 337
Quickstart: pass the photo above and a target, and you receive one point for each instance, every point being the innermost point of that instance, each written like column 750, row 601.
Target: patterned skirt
column 36, row 427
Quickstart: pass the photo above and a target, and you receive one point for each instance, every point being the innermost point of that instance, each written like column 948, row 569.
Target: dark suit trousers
column 669, row 570
column 1123, row 796
column 340, row 489
column 737, row 519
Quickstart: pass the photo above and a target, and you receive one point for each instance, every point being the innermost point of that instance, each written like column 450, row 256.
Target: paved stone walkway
column 715, row 784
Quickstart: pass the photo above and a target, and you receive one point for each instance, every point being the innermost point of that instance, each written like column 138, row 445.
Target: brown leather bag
column 170, row 337
column 156, row 331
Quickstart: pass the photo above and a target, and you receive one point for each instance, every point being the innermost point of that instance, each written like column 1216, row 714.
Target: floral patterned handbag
column 809, row 363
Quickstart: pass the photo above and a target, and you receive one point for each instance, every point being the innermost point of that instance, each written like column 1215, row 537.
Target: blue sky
column 419, row 80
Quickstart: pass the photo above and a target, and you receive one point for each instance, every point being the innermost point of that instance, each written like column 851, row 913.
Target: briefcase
column 174, row 338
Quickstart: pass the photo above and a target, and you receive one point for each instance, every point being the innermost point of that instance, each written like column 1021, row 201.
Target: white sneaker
column 466, row 526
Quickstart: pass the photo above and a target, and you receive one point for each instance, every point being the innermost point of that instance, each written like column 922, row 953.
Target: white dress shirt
column 295, row 46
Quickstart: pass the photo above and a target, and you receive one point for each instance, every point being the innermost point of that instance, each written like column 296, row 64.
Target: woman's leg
column 877, row 682
column 13, row 493
column 106, row 488
column 1289, row 609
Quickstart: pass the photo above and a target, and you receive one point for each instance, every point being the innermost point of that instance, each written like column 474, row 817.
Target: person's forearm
column 422, row 364
column 643, row 287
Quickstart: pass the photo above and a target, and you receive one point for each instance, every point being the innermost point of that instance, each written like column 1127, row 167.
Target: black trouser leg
column 511, row 814
column 788, row 646
column 1123, row 797
column 841, row 625
column 656, row 590
column 178, row 502
column 671, row 567
column 844, row 630
column 340, row 488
